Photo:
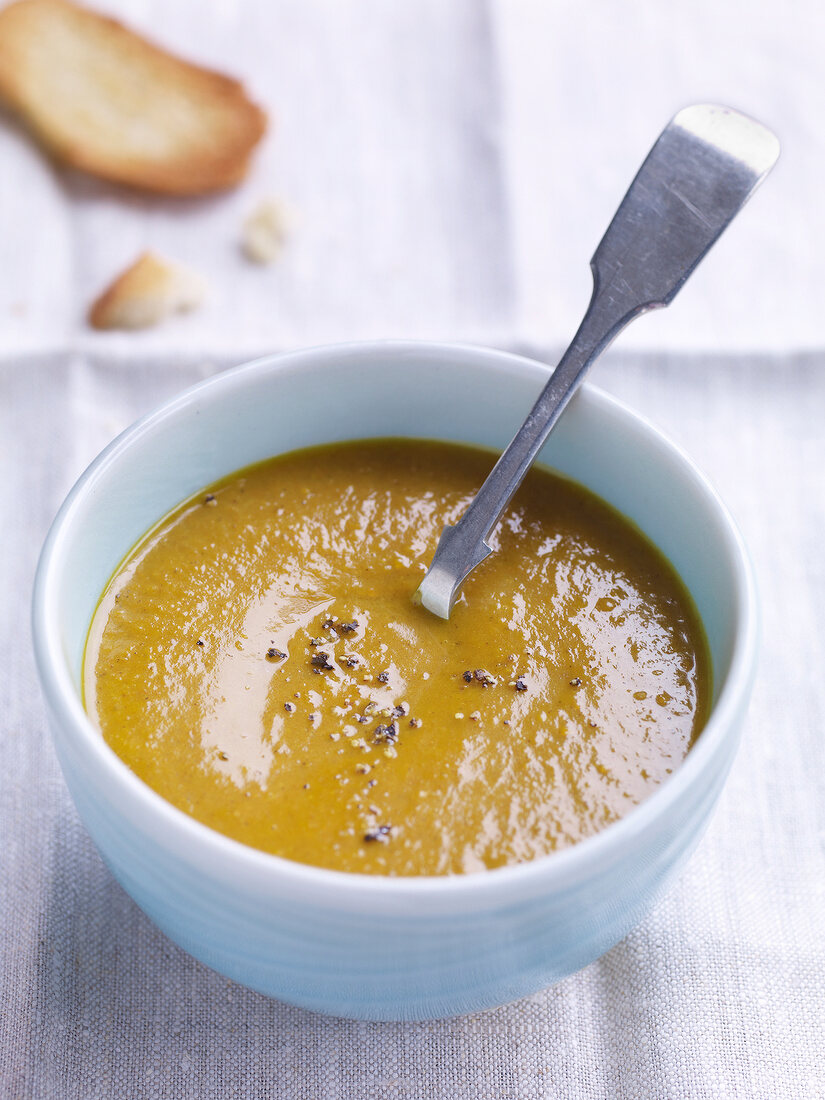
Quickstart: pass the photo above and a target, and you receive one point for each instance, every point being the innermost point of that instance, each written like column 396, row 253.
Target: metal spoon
column 699, row 174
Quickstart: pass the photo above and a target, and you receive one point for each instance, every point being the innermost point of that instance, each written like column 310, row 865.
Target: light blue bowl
column 355, row 945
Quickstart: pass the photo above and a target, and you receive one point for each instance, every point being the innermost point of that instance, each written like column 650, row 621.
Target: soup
column 259, row 662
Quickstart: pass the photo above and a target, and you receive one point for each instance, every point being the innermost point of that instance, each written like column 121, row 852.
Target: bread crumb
column 146, row 293
column 266, row 230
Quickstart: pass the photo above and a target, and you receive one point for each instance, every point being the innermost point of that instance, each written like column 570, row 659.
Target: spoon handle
column 701, row 171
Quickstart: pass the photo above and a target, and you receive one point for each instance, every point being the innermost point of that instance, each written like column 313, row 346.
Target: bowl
column 365, row 946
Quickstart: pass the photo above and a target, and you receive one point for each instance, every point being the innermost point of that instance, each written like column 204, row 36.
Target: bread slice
column 105, row 100
column 146, row 293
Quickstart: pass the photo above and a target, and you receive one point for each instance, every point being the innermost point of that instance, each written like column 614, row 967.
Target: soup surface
column 259, row 662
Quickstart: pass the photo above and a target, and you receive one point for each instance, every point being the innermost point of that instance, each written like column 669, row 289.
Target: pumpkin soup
column 259, row 662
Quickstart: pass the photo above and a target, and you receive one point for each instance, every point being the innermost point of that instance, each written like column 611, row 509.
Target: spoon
column 704, row 167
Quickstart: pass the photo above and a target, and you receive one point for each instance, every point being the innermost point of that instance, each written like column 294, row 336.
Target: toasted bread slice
column 105, row 100
column 146, row 293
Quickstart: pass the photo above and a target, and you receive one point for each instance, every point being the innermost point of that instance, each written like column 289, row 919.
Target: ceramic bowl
column 358, row 945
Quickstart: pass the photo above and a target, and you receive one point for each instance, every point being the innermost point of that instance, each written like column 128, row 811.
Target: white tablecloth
column 453, row 165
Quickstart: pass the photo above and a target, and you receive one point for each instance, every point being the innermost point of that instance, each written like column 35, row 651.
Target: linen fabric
column 721, row 992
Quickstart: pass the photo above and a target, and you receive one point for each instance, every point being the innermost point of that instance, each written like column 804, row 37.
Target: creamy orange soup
column 259, row 662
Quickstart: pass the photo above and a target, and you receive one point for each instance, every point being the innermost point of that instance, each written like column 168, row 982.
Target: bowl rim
column 556, row 870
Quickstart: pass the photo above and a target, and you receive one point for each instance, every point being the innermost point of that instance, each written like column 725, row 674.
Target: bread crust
column 105, row 100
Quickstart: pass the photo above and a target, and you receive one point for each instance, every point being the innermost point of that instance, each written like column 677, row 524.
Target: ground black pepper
column 479, row 676
column 385, row 735
column 340, row 628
